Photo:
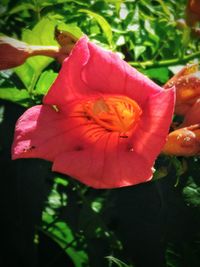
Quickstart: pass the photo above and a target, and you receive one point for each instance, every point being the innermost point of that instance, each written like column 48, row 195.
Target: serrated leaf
column 105, row 26
column 15, row 95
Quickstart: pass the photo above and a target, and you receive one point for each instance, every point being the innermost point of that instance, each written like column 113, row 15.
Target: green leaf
column 120, row 41
column 159, row 74
column 118, row 262
column 106, row 28
column 138, row 50
column 62, row 234
column 21, row 7
column 27, row 74
column 42, row 34
column 45, row 81
column 15, row 95
column 191, row 193
column 71, row 28
column 61, row 181
column 151, row 32
column 173, row 258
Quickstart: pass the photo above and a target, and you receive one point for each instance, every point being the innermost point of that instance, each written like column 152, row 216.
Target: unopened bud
column 12, row 52
column 183, row 142
column 193, row 115
column 66, row 40
column 192, row 12
column 181, row 24
column 187, row 84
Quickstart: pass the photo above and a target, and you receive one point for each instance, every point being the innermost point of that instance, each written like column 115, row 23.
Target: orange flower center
column 117, row 114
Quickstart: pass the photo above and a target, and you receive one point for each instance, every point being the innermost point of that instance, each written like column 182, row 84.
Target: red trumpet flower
column 102, row 122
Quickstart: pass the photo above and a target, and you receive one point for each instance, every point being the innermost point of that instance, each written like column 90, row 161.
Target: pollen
column 117, row 114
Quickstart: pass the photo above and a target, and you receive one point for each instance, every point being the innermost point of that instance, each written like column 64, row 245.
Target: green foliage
column 42, row 34
column 117, row 262
column 59, row 230
column 15, row 95
column 191, row 193
column 83, row 222
column 45, row 81
column 103, row 24
column 161, row 75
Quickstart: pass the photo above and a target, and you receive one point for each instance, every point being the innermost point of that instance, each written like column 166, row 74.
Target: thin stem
column 37, row 10
column 49, row 51
column 167, row 62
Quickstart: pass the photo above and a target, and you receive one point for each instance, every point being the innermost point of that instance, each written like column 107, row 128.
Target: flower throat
column 116, row 114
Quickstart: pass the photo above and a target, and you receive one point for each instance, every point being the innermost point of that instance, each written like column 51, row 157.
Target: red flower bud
column 14, row 53
column 183, row 142
column 187, row 84
column 193, row 115
column 193, row 12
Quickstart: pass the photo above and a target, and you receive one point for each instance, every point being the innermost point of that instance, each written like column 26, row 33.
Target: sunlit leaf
column 159, row 74
column 71, row 28
column 106, row 28
column 45, row 81
column 15, row 95
column 21, row 7
column 62, row 234
column 42, row 34
column 138, row 50
column 120, row 41
column 123, row 11
column 117, row 262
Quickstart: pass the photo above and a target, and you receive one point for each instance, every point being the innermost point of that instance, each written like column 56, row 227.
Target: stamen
column 117, row 114
column 55, row 108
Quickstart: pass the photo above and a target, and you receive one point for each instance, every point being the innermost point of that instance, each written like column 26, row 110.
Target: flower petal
column 41, row 132
column 106, row 73
column 91, row 70
column 69, row 85
column 106, row 164
column 151, row 134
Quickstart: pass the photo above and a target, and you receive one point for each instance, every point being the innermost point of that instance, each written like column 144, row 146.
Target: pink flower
column 102, row 122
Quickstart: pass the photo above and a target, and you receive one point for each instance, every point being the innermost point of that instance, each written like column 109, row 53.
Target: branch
column 167, row 62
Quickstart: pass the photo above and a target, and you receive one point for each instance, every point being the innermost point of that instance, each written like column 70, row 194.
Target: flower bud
column 183, row 142
column 187, row 83
column 192, row 12
column 12, row 52
column 193, row 115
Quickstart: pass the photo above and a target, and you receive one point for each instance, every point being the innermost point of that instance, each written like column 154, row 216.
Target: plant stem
column 39, row 50
column 167, row 62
